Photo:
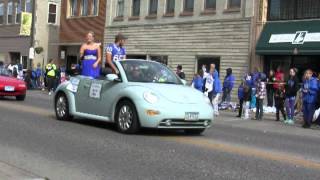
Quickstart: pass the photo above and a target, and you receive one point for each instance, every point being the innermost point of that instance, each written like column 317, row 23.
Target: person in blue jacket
column 310, row 89
column 228, row 84
column 197, row 81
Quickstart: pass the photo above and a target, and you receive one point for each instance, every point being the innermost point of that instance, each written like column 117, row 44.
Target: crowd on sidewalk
column 37, row 77
column 288, row 96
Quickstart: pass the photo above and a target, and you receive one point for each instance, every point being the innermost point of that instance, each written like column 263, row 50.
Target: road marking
column 26, row 108
column 247, row 151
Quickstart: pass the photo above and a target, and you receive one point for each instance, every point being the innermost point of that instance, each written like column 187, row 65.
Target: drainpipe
column 29, row 65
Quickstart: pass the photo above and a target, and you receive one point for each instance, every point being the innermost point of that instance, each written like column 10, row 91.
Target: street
column 33, row 140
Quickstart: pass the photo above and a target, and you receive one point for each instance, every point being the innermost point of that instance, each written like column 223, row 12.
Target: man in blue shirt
column 116, row 52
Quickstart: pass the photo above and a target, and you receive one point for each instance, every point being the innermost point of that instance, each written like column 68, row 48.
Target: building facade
column 186, row 32
column 290, row 35
column 14, row 48
column 78, row 17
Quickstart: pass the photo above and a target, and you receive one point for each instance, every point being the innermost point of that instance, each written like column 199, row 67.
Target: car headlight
column 150, row 97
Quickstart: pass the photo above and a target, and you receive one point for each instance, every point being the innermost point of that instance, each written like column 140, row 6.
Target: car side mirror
column 184, row 82
column 113, row 77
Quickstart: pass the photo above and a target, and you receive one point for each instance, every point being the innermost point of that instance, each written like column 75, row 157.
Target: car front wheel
column 21, row 97
column 62, row 107
column 194, row 131
column 127, row 118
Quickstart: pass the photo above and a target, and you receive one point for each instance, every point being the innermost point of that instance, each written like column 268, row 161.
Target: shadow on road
column 143, row 132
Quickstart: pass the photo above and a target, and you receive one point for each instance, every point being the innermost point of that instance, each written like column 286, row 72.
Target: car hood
column 4, row 80
column 175, row 93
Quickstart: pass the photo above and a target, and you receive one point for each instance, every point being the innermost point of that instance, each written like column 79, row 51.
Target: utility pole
column 32, row 31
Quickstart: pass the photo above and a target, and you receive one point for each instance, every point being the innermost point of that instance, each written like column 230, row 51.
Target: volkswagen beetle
column 145, row 94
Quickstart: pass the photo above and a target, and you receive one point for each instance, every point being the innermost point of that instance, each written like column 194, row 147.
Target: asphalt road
column 31, row 139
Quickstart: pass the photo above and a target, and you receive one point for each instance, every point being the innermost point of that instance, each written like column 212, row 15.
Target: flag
column 26, row 23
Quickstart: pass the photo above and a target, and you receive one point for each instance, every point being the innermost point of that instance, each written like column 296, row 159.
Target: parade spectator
column 291, row 89
column 279, row 97
column 260, row 95
column 51, row 75
column 246, row 100
column 197, row 81
column 212, row 87
column 180, row 72
column 278, row 78
column 318, row 101
column 90, row 53
column 38, row 75
column 310, row 90
column 228, row 86
column 58, row 77
column 33, row 79
column 240, row 97
column 28, row 79
column 255, row 76
column 15, row 72
column 270, row 89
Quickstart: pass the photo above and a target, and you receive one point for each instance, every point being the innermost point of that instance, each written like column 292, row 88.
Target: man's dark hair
column 179, row 67
column 229, row 71
column 120, row 37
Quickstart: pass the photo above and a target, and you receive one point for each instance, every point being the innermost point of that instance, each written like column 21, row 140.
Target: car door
column 109, row 94
column 88, row 96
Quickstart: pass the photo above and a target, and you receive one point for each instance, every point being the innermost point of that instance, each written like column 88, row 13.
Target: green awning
column 290, row 38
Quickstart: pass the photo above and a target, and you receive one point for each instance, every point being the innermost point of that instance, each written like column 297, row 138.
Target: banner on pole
column 26, row 23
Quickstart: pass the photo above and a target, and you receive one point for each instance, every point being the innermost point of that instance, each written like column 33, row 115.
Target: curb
column 10, row 172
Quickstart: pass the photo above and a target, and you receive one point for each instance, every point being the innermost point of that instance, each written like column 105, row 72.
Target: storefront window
column 302, row 63
column 293, row 9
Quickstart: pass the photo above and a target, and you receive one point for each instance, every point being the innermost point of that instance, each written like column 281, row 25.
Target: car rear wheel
column 62, row 107
column 194, row 131
column 127, row 118
column 21, row 97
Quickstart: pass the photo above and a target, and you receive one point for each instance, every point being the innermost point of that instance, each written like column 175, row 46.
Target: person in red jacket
column 278, row 78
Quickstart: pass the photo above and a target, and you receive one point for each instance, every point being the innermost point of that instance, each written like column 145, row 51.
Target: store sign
column 299, row 37
column 31, row 53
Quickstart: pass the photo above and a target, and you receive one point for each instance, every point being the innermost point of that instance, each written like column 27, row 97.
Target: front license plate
column 9, row 88
column 191, row 116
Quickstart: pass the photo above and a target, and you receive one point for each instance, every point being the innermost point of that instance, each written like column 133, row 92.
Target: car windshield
column 4, row 72
column 149, row 72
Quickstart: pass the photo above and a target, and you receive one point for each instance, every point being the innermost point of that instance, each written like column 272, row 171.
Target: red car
column 10, row 86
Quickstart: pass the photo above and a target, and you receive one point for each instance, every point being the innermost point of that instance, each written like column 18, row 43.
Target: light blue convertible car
column 145, row 94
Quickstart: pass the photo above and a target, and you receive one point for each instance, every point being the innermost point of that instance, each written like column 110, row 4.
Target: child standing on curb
column 279, row 97
column 246, row 100
column 260, row 95
column 240, row 97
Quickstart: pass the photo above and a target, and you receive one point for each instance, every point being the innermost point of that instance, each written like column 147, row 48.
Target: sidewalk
column 267, row 125
column 9, row 172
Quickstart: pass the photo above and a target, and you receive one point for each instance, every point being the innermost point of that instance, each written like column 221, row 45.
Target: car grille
column 181, row 123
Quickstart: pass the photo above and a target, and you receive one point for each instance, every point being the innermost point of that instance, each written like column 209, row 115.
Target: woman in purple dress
column 90, row 54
